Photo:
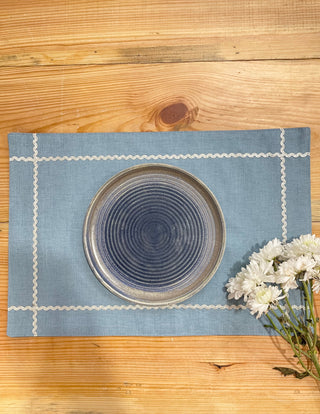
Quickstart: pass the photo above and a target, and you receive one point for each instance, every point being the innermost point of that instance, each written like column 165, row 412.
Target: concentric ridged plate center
column 153, row 232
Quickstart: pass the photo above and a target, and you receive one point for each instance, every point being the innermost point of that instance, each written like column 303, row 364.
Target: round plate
column 154, row 234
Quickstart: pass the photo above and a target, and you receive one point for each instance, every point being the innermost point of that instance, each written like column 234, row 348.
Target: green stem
column 288, row 339
column 312, row 354
column 291, row 310
column 312, row 342
column 309, row 301
column 315, row 334
column 298, row 349
column 289, row 320
column 275, row 327
column 304, row 333
column 316, row 362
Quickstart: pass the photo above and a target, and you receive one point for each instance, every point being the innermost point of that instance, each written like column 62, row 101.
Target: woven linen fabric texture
column 261, row 179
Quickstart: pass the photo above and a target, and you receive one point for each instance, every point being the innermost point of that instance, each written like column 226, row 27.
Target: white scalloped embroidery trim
column 283, row 186
column 295, row 155
column 25, row 159
column 20, row 308
column 131, row 307
column 35, row 237
column 162, row 157
column 122, row 307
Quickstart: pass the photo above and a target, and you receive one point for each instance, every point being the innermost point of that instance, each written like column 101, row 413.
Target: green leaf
column 289, row 371
column 268, row 326
column 318, row 345
column 301, row 375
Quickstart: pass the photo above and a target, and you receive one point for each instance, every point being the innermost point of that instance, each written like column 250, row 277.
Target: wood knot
column 172, row 117
column 173, row 113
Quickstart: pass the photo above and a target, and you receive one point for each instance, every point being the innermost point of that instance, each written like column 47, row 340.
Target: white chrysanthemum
column 316, row 258
column 304, row 263
column 305, row 244
column 269, row 252
column 263, row 298
column 312, row 274
column 286, row 275
column 247, row 280
column 256, row 274
column 234, row 286
column 316, row 285
column 289, row 272
column 315, row 272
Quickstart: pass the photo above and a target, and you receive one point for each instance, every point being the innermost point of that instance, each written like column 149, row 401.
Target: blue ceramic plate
column 154, row 234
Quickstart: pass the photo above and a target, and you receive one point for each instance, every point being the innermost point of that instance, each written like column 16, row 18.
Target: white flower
column 258, row 283
column 256, row 274
column 304, row 263
column 286, row 276
column 316, row 285
column 305, row 244
column 292, row 270
column 269, row 252
column 316, row 258
column 263, row 298
column 246, row 281
column 309, row 275
column 234, row 286
column 315, row 272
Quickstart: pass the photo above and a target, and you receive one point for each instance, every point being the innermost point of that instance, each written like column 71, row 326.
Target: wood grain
column 108, row 32
column 91, row 66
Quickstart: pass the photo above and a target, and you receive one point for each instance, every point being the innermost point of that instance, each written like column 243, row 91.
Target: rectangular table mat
column 261, row 179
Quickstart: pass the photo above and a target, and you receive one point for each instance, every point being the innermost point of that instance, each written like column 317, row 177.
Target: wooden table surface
column 94, row 65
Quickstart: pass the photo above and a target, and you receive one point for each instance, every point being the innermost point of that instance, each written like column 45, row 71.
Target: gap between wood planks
column 156, row 62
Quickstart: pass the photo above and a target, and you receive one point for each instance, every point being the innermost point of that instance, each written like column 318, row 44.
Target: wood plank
column 219, row 402
column 109, row 32
column 151, row 373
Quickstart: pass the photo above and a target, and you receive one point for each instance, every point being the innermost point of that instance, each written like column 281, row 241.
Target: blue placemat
column 260, row 178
